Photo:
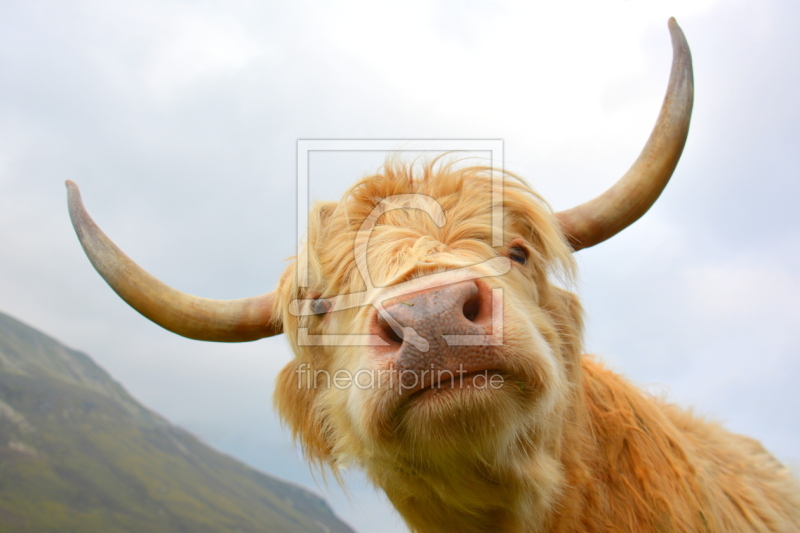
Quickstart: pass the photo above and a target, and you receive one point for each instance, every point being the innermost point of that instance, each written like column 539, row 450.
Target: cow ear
column 295, row 395
column 321, row 231
column 319, row 223
column 566, row 314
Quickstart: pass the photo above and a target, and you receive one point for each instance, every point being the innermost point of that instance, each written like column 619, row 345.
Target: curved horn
column 620, row 206
column 241, row 320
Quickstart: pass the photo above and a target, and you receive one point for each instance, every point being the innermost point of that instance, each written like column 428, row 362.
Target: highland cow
column 450, row 368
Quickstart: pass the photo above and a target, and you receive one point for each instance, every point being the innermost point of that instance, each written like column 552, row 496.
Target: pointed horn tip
column 675, row 30
column 72, row 190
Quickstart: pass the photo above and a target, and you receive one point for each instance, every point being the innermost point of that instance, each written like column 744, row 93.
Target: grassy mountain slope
column 79, row 454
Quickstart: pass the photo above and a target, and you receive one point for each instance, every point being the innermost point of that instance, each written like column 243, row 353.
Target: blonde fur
column 564, row 445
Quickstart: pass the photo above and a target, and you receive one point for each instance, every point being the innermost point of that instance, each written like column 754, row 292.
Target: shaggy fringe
column 463, row 191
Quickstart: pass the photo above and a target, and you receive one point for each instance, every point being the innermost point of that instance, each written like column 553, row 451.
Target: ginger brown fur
column 563, row 445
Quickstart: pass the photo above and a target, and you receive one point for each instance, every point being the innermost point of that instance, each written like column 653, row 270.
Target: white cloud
column 748, row 317
column 167, row 47
column 738, row 293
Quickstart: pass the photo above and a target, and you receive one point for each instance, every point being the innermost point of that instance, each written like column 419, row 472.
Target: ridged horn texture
column 247, row 319
column 620, row 206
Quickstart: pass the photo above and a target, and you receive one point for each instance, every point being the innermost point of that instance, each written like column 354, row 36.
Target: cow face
column 415, row 331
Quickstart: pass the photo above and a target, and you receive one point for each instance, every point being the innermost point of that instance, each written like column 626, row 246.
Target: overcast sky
column 179, row 121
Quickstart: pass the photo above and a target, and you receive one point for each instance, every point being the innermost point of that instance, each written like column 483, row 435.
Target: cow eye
column 319, row 305
column 518, row 254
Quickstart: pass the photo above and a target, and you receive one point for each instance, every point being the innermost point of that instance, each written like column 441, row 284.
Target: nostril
column 387, row 332
column 472, row 307
column 393, row 336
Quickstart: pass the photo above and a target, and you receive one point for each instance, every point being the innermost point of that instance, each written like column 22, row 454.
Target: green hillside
column 79, row 454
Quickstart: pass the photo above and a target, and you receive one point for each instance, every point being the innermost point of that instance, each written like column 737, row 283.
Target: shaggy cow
column 449, row 366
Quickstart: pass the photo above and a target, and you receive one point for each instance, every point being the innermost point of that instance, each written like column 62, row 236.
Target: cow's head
column 426, row 330
column 414, row 328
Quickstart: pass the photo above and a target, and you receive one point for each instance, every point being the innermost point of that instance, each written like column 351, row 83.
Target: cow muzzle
column 445, row 329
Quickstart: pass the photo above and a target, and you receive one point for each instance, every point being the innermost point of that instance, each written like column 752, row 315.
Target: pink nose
column 462, row 308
